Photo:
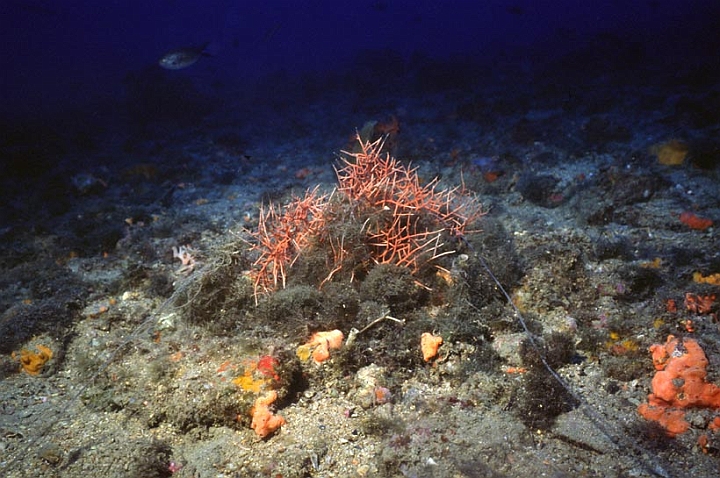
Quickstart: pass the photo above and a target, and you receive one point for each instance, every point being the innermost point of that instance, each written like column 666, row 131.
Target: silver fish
column 182, row 57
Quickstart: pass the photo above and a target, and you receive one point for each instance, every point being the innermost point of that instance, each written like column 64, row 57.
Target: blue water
column 59, row 55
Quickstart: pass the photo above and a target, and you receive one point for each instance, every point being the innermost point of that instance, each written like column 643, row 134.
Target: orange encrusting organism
column 320, row 345
column 694, row 221
column 699, row 304
column 670, row 153
column 31, row 362
column 678, row 384
column 429, row 345
column 260, row 377
column 264, row 421
column 712, row 279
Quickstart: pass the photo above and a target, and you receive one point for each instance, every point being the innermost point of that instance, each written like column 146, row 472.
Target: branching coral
column 396, row 220
column 411, row 232
column 281, row 236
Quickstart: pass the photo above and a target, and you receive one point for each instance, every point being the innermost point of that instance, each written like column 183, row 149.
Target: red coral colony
column 380, row 213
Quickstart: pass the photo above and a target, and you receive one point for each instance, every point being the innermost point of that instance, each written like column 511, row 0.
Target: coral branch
column 401, row 221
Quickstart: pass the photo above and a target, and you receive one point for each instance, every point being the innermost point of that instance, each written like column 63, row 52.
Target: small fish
column 182, row 58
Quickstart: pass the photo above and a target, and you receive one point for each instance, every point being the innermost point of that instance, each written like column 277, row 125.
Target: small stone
column 51, row 453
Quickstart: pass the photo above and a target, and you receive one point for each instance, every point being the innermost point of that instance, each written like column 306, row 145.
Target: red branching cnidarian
column 404, row 223
column 282, row 234
column 418, row 216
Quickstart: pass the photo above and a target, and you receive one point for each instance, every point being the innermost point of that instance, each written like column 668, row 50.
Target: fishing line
column 642, row 456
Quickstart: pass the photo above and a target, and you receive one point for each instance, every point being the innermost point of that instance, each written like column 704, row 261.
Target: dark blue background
column 64, row 54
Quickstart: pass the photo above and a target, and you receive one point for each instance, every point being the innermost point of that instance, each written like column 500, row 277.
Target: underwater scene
column 380, row 238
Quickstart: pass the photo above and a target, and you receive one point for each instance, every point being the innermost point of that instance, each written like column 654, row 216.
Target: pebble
column 51, row 453
column 362, row 470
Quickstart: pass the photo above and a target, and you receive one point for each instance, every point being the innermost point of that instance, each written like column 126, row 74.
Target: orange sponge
column 671, row 419
column 264, row 422
column 429, row 344
column 32, row 362
column 679, row 383
column 320, row 345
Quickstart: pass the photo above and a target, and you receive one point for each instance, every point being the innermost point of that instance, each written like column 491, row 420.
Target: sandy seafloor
column 582, row 226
